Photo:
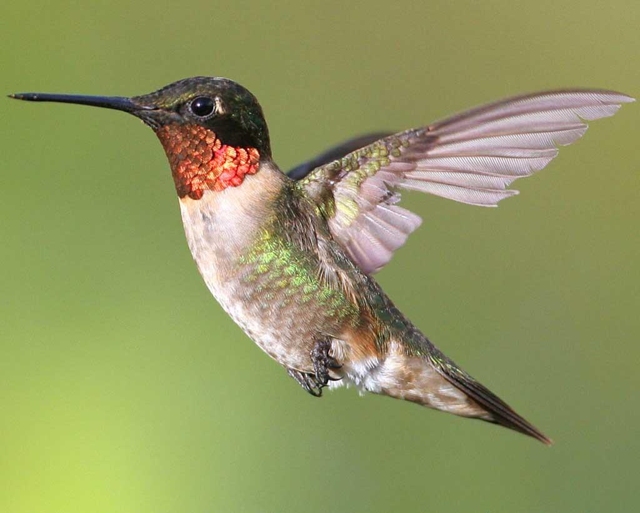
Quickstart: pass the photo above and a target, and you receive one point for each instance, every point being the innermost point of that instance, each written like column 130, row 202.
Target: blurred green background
column 125, row 388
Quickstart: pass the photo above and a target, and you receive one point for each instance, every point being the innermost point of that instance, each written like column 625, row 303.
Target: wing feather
column 471, row 157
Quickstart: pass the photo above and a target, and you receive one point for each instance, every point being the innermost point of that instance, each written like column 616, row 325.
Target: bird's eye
column 202, row 106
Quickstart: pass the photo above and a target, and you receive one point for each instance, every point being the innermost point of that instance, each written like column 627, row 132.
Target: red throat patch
column 199, row 161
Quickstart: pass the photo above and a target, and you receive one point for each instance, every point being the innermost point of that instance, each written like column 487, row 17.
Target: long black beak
column 147, row 112
column 108, row 102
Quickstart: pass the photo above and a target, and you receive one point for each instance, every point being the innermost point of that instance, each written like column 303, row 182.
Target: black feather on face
column 219, row 104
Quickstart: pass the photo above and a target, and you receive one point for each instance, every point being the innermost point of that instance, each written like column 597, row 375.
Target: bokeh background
column 125, row 388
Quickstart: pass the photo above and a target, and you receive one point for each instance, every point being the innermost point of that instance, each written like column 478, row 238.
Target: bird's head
column 212, row 129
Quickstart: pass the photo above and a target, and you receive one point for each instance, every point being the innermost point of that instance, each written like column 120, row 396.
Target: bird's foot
column 323, row 362
column 306, row 381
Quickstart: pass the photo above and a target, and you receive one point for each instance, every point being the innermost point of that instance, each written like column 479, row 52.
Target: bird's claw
column 323, row 362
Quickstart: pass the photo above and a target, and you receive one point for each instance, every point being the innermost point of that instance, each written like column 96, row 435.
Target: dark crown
column 219, row 104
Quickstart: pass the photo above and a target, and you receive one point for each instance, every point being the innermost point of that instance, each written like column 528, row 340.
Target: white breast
column 220, row 229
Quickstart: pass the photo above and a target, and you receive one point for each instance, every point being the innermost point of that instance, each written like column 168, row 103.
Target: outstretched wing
column 471, row 157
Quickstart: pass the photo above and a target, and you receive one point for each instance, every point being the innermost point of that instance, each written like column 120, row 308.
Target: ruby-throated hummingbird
column 291, row 257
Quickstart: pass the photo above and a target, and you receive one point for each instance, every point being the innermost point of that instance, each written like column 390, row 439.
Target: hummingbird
column 291, row 256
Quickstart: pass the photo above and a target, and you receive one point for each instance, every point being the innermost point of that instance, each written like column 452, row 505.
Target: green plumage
column 279, row 271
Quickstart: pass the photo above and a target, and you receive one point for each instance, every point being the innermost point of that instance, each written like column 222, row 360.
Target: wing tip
column 625, row 98
column 613, row 96
column 512, row 192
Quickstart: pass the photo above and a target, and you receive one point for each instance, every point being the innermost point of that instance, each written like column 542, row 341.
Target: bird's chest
column 268, row 287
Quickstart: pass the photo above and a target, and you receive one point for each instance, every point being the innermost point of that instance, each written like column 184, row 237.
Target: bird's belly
column 274, row 321
column 271, row 290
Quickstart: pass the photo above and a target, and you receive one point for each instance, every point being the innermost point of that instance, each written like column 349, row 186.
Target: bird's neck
column 222, row 226
column 201, row 162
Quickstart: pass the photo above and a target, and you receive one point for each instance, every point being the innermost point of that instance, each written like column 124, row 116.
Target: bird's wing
column 471, row 157
column 334, row 153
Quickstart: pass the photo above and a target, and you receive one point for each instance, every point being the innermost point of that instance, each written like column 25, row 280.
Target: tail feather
column 498, row 411
column 420, row 373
